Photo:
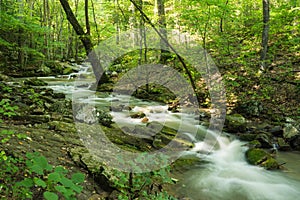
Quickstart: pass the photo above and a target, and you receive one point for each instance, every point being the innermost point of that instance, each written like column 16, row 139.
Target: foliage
column 27, row 178
column 39, row 175
column 6, row 109
column 104, row 117
column 142, row 185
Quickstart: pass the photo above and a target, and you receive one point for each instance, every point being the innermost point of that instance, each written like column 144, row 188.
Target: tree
column 86, row 41
column 162, row 25
column 265, row 34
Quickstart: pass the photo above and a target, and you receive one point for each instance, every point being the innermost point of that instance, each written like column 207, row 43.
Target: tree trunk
column 86, row 41
column 265, row 34
column 20, row 48
column 222, row 18
column 162, row 25
column 87, row 21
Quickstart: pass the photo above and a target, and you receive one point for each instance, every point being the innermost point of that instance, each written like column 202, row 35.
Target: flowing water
column 223, row 173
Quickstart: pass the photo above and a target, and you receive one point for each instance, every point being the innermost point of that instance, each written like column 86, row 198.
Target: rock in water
column 290, row 131
column 137, row 115
column 261, row 158
column 145, row 120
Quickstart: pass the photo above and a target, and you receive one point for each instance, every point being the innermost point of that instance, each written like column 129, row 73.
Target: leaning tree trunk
column 86, row 41
column 265, row 34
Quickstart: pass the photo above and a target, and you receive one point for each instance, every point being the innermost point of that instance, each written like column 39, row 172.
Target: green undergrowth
column 31, row 176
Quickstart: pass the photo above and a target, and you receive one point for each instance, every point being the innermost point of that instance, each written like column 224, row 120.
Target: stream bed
column 224, row 172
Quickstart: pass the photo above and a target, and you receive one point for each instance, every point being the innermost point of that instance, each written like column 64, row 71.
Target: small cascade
column 65, row 83
column 226, row 175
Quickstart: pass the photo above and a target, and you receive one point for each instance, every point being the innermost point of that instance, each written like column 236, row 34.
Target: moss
column 270, row 163
column 247, row 137
column 254, row 144
column 235, row 123
column 261, row 158
column 137, row 115
column 255, row 156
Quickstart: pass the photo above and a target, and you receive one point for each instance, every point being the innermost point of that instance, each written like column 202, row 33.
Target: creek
column 221, row 173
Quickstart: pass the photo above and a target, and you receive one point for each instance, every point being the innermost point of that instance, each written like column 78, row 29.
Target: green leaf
column 60, row 170
column 37, row 169
column 27, row 182
column 78, row 178
column 60, row 189
column 40, row 182
column 77, row 188
column 54, row 176
column 50, row 196
column 41, row 161
column 67, row 182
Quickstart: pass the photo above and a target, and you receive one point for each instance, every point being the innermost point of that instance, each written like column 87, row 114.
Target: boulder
column 261, row 158
column 276, row 131
column 265, row 140
column 35, row 82
column 67, row 70
column 247, row 136
column 100, row 171
column 289, row 131
column 254, row 144
column 3, row 77
column 283, row 145
column 295, row 142
column 43, row 69
column 62, row 126
column 139, row 115
column 145, row 120
column 173, row 106
column 235, row 123
column 104, row 117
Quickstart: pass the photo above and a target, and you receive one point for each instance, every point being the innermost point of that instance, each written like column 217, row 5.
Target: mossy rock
column 43, row 69
column 63, row 126
column 283, row 145
column 247, row 137
column 137, row 115
column 261, row 158
column 67, row 70
column 254, row 144
column 100, row 171
column 235, row 123
column 265, row 140
column 3, row 77
column 35, row 82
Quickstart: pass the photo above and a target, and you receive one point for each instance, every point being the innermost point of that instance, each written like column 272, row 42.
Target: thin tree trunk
column 95, row 21
column 20, row 46
column 87, row 21
column 162, row 25
column 222, row 19
column 265, row 34
column 20, row 39
column 86, row 41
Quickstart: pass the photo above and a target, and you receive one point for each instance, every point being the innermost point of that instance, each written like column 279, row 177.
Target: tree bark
column 87, row 21
column 265, row 34
column 222, row 19
column 87, row 43
column 162, row 25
